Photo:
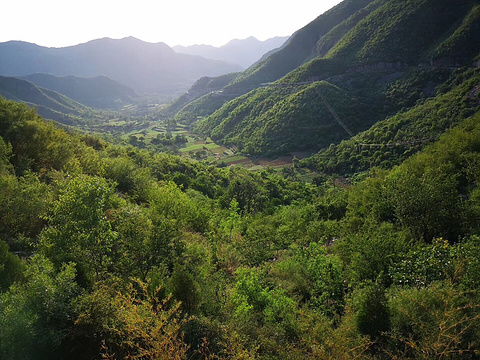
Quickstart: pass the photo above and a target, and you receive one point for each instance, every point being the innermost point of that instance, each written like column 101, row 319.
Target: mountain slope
column 97, row 92
column 49, row 104
column 275, row 120
column 403, row 31
column 203, row 86
column 145, row 67
column 300, row 48
column 395, row 138
column 243, row 52
column 388, row 56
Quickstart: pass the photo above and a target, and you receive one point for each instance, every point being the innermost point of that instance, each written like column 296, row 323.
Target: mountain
column 358, row 64
column 392, row 140
column 98, row 92
column 299, row 49
column 144, row 67
column 243, row 52
column 207, row 88
column 49, row 104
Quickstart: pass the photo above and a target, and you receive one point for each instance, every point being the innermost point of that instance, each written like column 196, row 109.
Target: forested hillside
column 392, row 140
column 110, row 251
column 98, row 92
column 299, row 49
column 50, row 104
column 363, row 63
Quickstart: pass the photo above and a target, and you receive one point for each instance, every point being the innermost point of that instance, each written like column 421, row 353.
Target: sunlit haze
column 58, row 23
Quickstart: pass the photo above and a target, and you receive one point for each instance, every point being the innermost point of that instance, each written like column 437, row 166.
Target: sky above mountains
column 58, row 23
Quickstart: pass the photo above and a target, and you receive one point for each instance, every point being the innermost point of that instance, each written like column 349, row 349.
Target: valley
column 176, row 138
column 323, row 203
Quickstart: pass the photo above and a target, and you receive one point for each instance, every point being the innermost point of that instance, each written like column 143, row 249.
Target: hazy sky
column 58, row 23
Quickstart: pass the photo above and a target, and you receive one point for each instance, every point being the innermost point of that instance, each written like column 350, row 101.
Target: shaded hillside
column 49, row 104
column 204, row 106
column 276, row 119
column 144, row 67
column 201, row 87
column 394, row 139
column 387, row 47
column 98, row 92
column 244, row 52
column 412, row 32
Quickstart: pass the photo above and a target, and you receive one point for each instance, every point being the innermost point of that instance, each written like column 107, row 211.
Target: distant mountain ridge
column 144, row 67
column 244, row 52
column 48, row 103
column 98, row 92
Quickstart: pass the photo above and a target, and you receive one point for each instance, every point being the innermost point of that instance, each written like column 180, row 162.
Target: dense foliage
column 117, row 252
column 387, row 34
column 394, row 139
column 122, row 253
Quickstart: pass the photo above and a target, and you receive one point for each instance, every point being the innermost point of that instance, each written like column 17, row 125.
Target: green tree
column 439, row 321
column 167, row 201
column 135, row 252
column 371, row 310
column 137, row 323
column 247, row 192
column 233, row 219
column 253, row 302
column 184, row 288
column 11, row 268
column 425, row 200
column 23, row 204
column 79, row 227
column 5, row 155
column 326, row 276
column 35, row 315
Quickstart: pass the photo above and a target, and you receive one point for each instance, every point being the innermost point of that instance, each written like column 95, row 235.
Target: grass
column 194, row 147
